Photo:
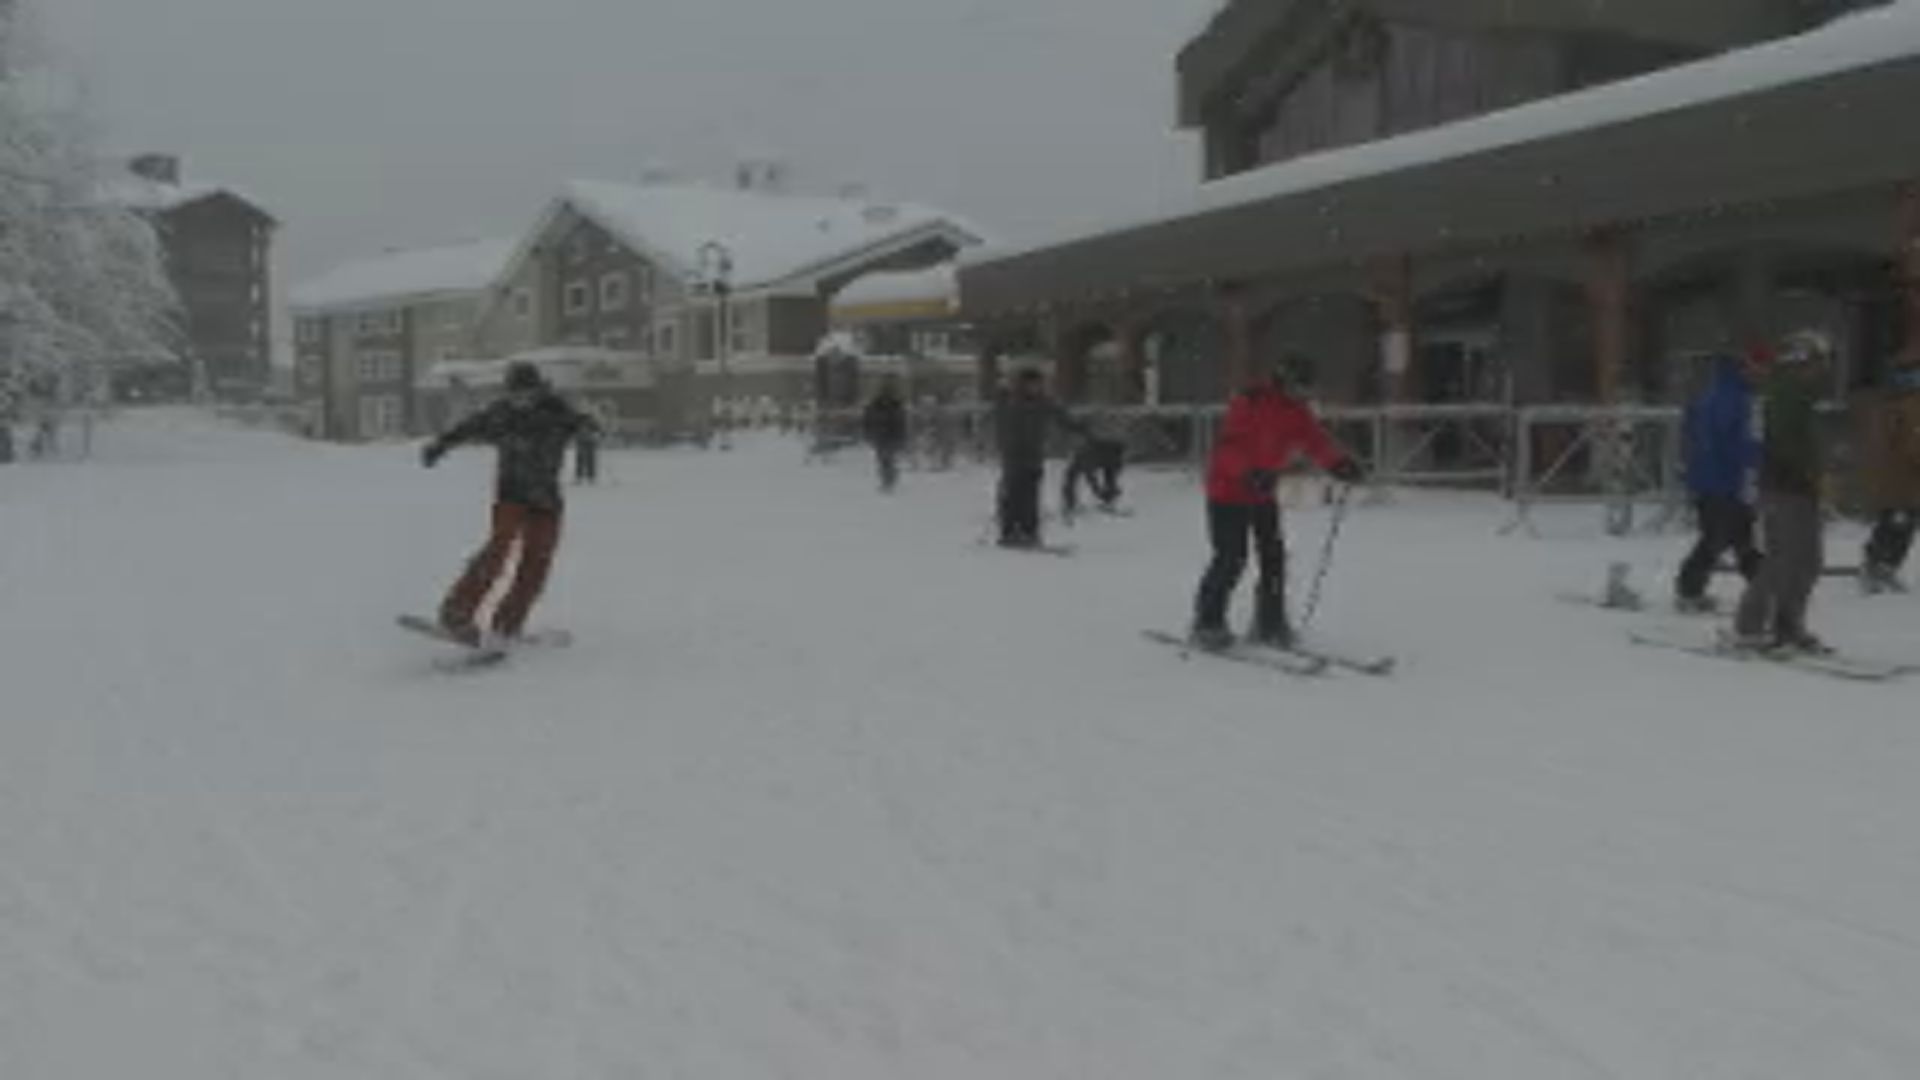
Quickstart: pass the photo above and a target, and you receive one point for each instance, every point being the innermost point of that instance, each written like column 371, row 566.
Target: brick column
column 1609, row 288
column 1907, row 267
column 1237, row 322
column 1129, row 334
column 1391, row 290
column 988, row 372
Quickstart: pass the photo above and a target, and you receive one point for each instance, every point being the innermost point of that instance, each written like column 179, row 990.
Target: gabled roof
column 404, row 276
column 136, row 193
column 773, row 239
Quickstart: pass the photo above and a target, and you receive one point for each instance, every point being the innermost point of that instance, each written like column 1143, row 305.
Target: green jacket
column 1793, row 457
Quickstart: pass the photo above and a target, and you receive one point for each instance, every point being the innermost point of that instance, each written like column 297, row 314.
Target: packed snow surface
column 826, row 790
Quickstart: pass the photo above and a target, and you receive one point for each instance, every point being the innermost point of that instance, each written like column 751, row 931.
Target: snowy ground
column 824, row 790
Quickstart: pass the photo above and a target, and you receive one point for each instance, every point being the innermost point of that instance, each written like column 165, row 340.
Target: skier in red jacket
column 1266, row 428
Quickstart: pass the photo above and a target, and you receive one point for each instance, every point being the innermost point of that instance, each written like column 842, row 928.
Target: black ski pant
column 1726, row 524
column 1229, row 527
column 1892, row 539
column 1020, row 502
column 887, row 457
column 586, row 463
column 1101, row 477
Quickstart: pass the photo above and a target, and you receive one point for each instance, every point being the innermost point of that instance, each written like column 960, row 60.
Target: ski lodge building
column 1511, row 201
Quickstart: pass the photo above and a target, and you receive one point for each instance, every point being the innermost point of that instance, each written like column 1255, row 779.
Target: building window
column 740, row 329
column 613, row 292
column 643, row 283
column 307, row 331
column 522, row 303
column 666, row 341
column 578, row 299
column 310, row 369
column 382, row 365
column 380, row 323
column 615, row 337
column 380, row 416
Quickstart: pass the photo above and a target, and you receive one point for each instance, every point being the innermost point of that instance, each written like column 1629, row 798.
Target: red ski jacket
column 1264, row 431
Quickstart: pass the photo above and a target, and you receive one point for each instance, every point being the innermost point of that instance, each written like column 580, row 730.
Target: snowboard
column 472, row 657
column 1288, row 663
column 1833, row 665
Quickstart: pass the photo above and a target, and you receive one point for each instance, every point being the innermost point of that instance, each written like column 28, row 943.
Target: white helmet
column 1808, row 347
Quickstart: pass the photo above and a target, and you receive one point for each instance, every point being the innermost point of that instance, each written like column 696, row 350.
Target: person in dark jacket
column 1721, row 453
column 1265, row 429
column 531, row 428
column 586, row 456
column 1773, row 611
column 1097, row 464
column 1890, row 447
column 1023, row 418
column 885, row 426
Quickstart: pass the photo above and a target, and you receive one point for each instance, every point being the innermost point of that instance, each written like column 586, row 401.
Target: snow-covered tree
column 83, row 281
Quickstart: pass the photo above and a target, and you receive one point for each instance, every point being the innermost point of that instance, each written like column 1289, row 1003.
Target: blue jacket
column 1718, row 435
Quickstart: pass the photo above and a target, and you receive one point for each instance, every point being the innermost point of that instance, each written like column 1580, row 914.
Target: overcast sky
column 365, row 124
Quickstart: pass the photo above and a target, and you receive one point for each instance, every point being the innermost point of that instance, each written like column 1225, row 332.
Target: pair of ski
column 1701, row 641
column 1705, row 640
column 1300, row 660
column 478, row 657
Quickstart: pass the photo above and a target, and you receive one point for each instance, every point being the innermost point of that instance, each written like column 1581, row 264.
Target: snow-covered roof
column 401, row 275
column 1858, row 41
column 567, row 367
column 771, row 237
column 933, row 285
column 137, row 193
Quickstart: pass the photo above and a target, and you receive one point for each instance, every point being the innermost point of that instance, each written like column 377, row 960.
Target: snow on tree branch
column 83, row 280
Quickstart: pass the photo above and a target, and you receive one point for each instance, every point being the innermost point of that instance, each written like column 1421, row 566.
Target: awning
column 1826, row 113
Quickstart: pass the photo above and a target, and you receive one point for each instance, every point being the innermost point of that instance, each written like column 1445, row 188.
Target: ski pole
column 1340, row 504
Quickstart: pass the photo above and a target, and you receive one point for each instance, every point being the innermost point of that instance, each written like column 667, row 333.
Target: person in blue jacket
column 1721, row 453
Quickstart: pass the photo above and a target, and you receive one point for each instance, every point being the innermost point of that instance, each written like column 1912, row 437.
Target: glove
column 1263, row 481
column 1348, row 471
column 431, row 454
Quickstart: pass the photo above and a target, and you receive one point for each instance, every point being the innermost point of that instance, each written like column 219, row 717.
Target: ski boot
column 1696, row 605
column 1879, row 578
column 1742, row 644
column 1271, row 626
column 1213, row 639
column 1800, row 643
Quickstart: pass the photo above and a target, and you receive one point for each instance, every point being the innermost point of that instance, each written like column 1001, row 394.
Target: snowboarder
column 1773, row 612
column 1720, row 455
column 1891, row 446
column 1022, row 418
column 1097, row 463
column 531, row 428
column 1266, row 428
column 885, row 425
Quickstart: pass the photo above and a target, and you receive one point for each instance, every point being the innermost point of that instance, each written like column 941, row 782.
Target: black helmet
column 522, row 375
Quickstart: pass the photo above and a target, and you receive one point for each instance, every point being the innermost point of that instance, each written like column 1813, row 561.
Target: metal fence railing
column 1627, row 460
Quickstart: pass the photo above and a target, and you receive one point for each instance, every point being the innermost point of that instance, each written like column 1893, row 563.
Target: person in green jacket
column 1793, row 464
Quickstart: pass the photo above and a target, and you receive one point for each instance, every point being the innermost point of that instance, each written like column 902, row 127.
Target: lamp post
column 716, row 271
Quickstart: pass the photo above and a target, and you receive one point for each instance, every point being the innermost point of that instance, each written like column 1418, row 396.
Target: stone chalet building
column 659, row 304
column 368, row 334
column 1496, row 201
column 219, row 252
